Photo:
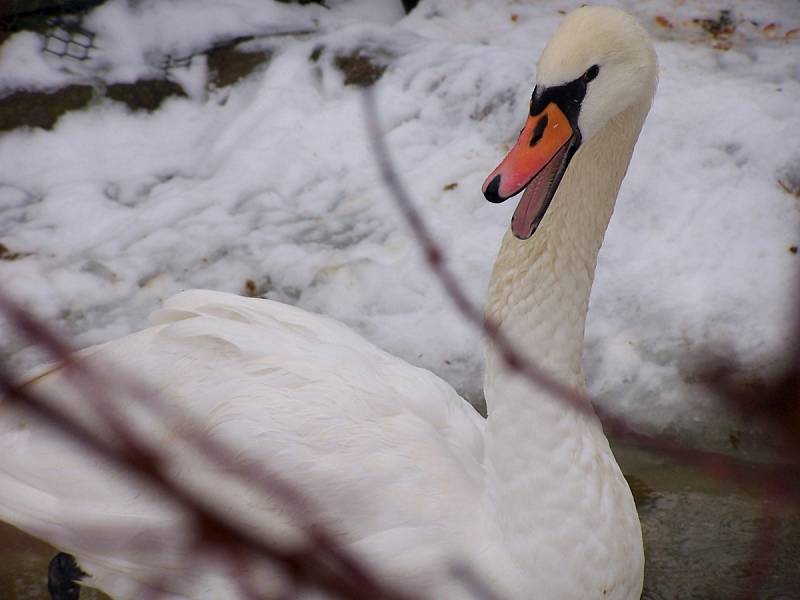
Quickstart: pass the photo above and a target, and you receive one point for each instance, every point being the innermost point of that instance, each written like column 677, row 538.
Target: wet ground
column 701, row 536
column 700, row 540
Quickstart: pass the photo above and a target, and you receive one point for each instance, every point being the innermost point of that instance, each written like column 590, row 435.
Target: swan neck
column 539, row 289
column 547, row 461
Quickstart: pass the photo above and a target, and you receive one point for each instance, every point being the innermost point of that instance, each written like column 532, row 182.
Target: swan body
column 407, row 473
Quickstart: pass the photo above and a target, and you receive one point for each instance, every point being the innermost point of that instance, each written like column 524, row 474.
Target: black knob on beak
column 492, row 191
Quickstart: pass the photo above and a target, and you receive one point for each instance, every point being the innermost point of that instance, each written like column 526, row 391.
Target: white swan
column 406, row 472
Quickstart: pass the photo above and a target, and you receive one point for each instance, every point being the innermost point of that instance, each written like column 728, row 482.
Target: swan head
column 598, row 63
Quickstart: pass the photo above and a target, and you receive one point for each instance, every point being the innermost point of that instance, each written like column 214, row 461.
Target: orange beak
column 536, row 163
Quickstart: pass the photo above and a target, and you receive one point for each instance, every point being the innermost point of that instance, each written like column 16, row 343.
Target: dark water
column 700, row 540
column 701, row 536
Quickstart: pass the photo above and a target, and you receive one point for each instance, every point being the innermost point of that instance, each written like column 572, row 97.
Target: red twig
column 242, row 576
column 92, row 382
column 267, row 482
column 718, row 465
column 212, row 527
column 781, row 411
column 764, row 545
column 319, row 560
column 435, row 258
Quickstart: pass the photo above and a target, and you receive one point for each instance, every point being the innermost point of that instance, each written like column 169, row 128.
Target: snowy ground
column 268, row 187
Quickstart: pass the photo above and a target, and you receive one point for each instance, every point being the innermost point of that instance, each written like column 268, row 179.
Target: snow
column 269, row 186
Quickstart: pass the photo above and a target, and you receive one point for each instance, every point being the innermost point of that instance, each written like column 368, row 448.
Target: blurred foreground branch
column 777, row 406
column 317, row 562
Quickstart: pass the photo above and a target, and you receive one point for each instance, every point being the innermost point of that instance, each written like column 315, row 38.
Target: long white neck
column 539, row 294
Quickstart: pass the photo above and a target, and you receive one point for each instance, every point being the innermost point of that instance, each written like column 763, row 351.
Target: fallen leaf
column 663, row 22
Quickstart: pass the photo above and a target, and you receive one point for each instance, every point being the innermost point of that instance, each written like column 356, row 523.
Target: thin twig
column 319, row 560
column 267, row 482
column 764, row 545
column 718, row 465
column 783, row 402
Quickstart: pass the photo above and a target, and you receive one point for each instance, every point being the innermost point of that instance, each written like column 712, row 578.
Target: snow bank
column 268, row 187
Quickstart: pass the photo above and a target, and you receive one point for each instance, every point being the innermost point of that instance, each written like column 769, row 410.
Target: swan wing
column 389, row 452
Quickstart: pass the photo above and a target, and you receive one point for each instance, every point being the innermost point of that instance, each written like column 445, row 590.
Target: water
column 700, row 535
column 699, row 540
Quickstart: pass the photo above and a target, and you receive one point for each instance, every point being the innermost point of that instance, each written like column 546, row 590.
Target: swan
column 409, row 476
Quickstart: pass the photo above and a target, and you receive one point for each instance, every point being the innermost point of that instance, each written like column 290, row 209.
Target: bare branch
column 717, row 465
column 319, row 561
column 781, row 410
column 764, row 546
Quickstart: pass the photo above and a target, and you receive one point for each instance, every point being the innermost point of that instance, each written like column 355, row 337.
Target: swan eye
column 591, row 73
